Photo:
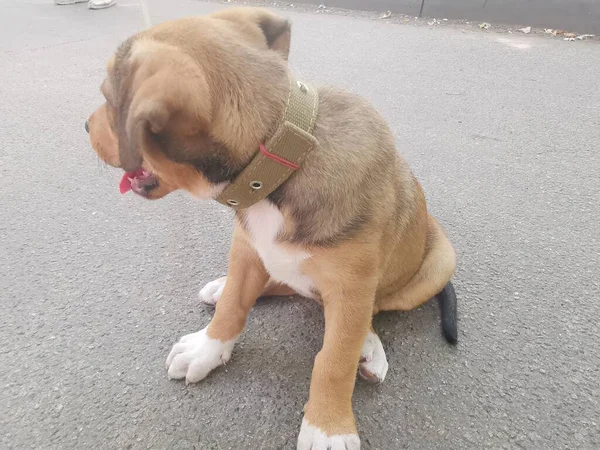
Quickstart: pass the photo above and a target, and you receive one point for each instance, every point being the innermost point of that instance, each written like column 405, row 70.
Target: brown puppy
column 188, row 104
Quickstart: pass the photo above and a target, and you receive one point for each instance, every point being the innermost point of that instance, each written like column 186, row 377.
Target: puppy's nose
column 87, row 126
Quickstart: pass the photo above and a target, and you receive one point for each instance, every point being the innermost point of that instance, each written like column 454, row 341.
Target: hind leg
column 434, row 274
column 373, row 365
column 211, row 293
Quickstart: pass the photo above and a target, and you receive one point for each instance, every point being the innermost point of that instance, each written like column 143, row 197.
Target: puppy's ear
column 275, row 30
column 160, row 91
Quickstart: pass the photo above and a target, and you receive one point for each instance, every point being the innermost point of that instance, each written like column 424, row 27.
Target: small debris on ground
column 405, row 19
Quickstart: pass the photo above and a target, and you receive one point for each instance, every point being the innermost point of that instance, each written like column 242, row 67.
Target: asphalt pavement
column 501, row 129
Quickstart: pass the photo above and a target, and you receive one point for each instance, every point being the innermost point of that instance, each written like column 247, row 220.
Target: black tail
column 447, row 302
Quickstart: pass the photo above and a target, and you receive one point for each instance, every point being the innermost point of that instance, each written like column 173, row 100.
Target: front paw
column 313, row 438
column 196, row 355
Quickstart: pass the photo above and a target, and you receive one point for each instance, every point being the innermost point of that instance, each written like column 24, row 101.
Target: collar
column 280, row 155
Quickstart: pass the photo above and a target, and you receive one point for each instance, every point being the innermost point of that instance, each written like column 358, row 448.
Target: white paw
column 211, row 293
column 312, row 438
column 195, row 355
column 373, row 364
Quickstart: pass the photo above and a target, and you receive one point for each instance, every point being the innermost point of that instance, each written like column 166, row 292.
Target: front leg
column 348, row 289
column 196, row 354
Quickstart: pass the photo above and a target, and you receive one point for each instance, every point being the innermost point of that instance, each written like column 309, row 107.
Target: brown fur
column 192, row 99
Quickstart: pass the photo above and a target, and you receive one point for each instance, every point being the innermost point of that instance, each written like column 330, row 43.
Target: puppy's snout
column 87, row 126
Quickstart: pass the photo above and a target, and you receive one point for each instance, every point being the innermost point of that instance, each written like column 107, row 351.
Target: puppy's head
column 189, row 101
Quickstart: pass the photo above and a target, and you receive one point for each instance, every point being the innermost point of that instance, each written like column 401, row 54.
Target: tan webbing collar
column 281, row 155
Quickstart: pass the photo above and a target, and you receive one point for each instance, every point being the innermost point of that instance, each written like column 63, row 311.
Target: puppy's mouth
column 140, row 181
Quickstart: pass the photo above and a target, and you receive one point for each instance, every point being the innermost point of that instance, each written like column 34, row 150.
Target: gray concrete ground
column 502, row 131
column 582, row 16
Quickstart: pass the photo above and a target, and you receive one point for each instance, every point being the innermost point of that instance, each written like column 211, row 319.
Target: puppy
column 192, row 104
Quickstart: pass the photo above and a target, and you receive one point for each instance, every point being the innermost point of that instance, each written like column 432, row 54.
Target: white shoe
column 101, row 4
column 68, row 2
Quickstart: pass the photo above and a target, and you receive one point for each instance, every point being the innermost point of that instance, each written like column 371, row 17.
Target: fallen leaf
column 386, row 15
column 584, row 36
column 525, row 30
column 570, row 35
column 322, row 7
column 484, row 25
column 548, row 31
column 569, row 39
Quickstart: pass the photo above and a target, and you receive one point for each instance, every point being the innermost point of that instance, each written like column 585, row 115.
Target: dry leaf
column 386, row 15
column 525, row 30
column 549, row 31
column 570, row 35
column 584, row 36
column 484, row 25
column 322, row 7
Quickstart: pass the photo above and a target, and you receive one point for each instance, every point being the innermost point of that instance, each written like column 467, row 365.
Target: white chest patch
column 265, row 222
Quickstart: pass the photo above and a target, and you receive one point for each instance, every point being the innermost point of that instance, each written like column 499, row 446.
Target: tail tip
column 450, row 334
column 447, row 303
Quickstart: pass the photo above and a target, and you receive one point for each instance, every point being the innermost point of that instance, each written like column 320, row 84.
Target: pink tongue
column 125, row 184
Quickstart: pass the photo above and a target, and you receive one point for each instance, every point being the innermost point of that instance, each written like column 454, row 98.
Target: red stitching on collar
column 278, row 159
